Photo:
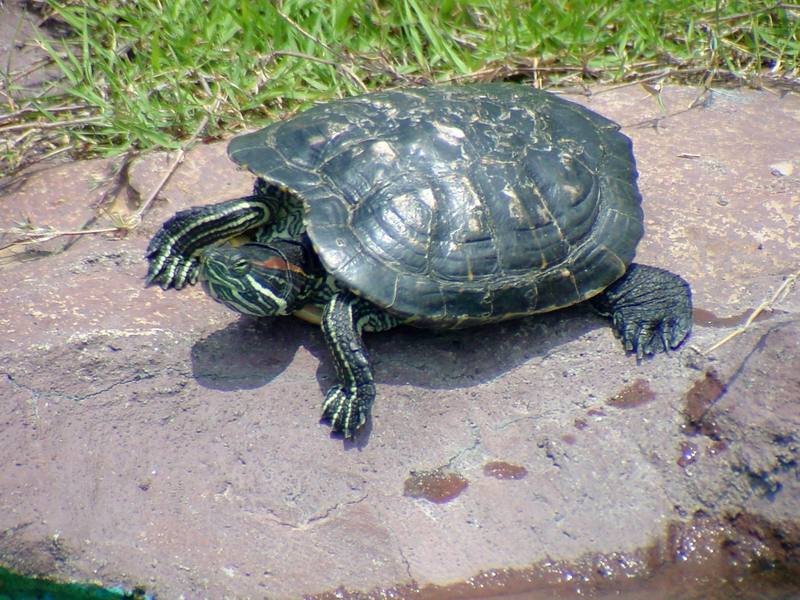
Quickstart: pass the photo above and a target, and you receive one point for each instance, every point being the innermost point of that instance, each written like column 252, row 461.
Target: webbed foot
column 171, row 251
column 650, row 309
column 347, row 409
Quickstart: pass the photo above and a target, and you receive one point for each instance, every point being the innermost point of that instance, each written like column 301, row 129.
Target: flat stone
column 154, row 438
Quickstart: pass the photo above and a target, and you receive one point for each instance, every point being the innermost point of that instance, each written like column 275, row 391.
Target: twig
column 637, row 81
column 779, row 295
column 736, row 17
column 28, row 110
column 56, row 152
column 37, row 237
column 341, row 65
column 136, row 217
column 50, row 124
column 303, row 32
column 41, row 63
column 268, row 58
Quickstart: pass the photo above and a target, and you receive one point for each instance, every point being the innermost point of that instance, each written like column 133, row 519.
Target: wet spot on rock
column 716, row 558
column 706, row 318
column 745, row 541
column 699, row 399
column 503, row 470
column 688, row 454
column 439, row 485
column 633, row 395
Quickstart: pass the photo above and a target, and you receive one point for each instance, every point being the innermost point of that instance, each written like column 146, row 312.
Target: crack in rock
column 20, row 385
column 135, row 378
column 404, row 559
column 459, row 457
column 37, row 394
column 317, row 519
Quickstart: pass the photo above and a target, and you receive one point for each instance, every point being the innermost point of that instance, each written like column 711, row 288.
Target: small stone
column 782, row 169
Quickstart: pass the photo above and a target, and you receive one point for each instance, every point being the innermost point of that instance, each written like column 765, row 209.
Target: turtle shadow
column 249, row 353
column 461, row 358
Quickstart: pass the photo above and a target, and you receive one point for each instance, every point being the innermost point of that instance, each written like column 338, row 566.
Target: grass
column 141, row 75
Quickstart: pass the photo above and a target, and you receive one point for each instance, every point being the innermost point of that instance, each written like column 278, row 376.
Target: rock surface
column 153, row 438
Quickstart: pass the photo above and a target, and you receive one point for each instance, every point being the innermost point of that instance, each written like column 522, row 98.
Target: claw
column 667, row 335
column 618, row 326
column 665, row 345
column 640, row 341
column 172, row 271
column 344, row 410
column 650, row 309
column 678, row 332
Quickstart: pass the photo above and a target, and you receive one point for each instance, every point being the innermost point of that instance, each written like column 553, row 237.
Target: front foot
column 170, row 252
column 347, row 408
column 173, row 252
column 650, row 309
column 172, row 270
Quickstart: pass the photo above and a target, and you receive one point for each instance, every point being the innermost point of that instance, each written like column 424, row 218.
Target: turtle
column 433, row 206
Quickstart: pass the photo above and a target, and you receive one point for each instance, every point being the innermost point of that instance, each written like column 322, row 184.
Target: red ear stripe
column 277, row 263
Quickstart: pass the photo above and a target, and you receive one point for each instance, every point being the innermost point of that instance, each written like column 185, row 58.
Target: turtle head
column 254, row 279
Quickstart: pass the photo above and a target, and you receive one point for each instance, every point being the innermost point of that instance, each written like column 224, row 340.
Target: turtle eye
column 240, row 266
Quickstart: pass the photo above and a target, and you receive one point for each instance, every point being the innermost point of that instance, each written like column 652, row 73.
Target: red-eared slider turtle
column 437, row 207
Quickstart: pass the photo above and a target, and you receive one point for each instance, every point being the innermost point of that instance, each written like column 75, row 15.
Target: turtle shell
column 451, row 206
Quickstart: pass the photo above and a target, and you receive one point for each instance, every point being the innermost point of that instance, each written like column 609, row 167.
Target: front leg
column 345, row 317
column 173, row 252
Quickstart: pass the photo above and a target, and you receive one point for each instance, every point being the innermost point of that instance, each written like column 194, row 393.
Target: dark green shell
column 458, row 205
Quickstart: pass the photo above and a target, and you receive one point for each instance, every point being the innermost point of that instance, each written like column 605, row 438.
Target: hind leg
column 650, row 309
